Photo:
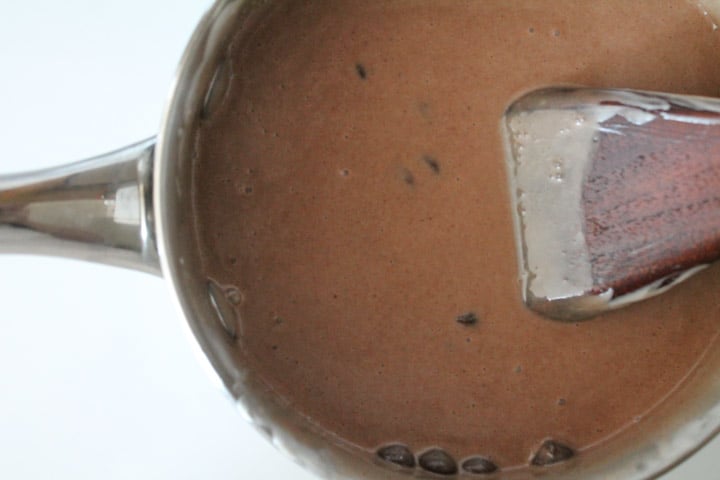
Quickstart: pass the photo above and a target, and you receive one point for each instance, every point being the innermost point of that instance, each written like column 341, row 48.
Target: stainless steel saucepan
column 132, row 208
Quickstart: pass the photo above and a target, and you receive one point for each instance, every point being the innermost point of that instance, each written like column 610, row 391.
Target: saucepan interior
column 678, row 426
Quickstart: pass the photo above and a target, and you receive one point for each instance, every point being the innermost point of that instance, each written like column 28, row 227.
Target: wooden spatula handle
column 652, row 198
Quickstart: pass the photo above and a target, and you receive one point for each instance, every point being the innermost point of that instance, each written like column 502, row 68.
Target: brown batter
column 352, row 185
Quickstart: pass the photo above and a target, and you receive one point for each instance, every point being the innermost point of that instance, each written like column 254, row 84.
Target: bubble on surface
column 234, row 295
column 558, row 171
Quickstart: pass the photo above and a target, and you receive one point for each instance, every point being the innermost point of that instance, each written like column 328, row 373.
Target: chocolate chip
column 551, row 452
column 432, row 162
column 397, row 454
column 360, row 69
column 469, row 318
column 438, row 461
column 479, row 466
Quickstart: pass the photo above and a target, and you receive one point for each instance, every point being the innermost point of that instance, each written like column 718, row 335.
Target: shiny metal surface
column 556, row 129
column 643, row 452
column 97, row 210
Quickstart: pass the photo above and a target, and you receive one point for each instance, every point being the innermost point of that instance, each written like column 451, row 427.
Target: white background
column 97, row 378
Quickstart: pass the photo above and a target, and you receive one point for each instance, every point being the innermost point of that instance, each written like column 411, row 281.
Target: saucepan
column 131, row 208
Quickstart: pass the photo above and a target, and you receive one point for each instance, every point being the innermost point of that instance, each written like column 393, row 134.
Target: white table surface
column 97, row 378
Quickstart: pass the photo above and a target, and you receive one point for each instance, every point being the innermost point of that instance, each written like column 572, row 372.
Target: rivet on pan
column 398, row 455
column 438, row 461
column 223, row 301
column 479, row 466
column 550, row 453
column 216, row 91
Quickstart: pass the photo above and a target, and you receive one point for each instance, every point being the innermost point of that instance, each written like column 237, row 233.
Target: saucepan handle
column 98, row 210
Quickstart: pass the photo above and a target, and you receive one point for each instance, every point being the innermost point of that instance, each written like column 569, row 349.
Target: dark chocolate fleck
column 360, row 69
column 397, row 454
column 438, row 461
column 408, row 177
column 469, row 318
column 432, row 162
column 551, row 452
column 479, row 465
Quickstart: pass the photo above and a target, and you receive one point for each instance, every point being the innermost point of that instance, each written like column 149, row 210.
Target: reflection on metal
column 96, row 210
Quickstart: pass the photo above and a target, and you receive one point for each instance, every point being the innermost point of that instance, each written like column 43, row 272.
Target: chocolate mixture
column 352, row 186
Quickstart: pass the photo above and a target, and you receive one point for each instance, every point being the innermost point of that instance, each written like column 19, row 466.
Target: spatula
column 616, row 195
